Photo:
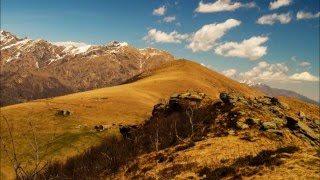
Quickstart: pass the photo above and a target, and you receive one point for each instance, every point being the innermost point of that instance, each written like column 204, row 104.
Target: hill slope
column 129, row 103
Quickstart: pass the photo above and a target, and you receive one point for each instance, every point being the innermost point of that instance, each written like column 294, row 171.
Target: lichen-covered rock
column 241, row 125
column 279, row 122
column 302, row 115
column 269, row 125
column 232, row 98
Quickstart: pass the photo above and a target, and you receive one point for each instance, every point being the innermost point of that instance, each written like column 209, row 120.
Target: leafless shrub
column 24, row 172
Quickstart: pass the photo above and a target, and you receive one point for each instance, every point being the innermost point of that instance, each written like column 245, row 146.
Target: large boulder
column 297, row 125
column 232, row 97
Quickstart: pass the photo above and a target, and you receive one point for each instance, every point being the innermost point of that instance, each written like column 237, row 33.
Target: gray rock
column 242, row 125
column 284, row 106
column 302, row 115
column 277, row 111
column 280, row 122
column 278, row 132
column 229, row 97
column 174, row 96
column 307, row 131
column 296, row 125
column 231, row 132
column 269, row 125
column 264, row 100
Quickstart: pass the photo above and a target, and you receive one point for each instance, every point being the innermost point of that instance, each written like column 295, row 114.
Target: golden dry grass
column 124, row 104
column 219, row 151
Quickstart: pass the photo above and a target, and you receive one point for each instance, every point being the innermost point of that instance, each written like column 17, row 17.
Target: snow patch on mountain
column 17, row 44
column 81, row 49
column 17, row 56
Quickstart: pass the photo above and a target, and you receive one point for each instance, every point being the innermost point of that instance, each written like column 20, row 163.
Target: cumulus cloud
column 307, row 15
column 304, row 76
column 276, row 72
column 204, row 39
column 229, row 72
column 279, row 3
column 304, row 63
column 266, row 72
column 222, row 5
column 155, row 36
column 159, row 11
column 251, row 49
column 169, row 18
column 204, row 65
column 270, row 19
column 69, row 44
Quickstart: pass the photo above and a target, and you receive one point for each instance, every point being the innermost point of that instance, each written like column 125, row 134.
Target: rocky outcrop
column 235, row 114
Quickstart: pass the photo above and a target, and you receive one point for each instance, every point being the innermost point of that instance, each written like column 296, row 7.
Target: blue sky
column 282, row 48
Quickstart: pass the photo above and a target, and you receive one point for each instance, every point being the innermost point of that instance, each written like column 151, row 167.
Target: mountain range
column 35, row 69
column 270, row 91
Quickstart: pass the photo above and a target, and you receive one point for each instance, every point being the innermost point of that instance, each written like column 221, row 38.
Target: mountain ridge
column 35, row 69
column 271, row 91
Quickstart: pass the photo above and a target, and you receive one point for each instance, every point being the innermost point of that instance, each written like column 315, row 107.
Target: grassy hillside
column 125, row 104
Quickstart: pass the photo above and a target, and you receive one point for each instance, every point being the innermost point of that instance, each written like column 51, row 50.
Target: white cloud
column 229, row 72
column 307, row 15
column 279, row 3
column 207, row 66
column 204, row 39
column 272, row 18
column 276, row 72
column 69, row 44
column 267, row 72
column 160, row 11
column 155, row 36
column 178, row 24
column 304, row 63
column 249, row 48
column 304, row 76
column 222, row 5
column 169, row 18
column 293, row 58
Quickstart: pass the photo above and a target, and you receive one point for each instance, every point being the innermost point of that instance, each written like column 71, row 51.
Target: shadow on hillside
column 248, row 165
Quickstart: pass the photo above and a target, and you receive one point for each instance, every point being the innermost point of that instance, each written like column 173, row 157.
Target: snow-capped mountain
column 270, row 91
column 32, row 69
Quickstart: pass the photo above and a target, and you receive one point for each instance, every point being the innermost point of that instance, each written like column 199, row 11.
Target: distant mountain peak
column 270, row 91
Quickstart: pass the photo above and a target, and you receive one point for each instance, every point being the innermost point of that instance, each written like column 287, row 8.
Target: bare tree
column 156, row 139
column 20, row 171
column 190, row 113
column 16, row 164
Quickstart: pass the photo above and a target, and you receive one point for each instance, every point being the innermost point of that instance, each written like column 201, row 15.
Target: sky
column 275, row 42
